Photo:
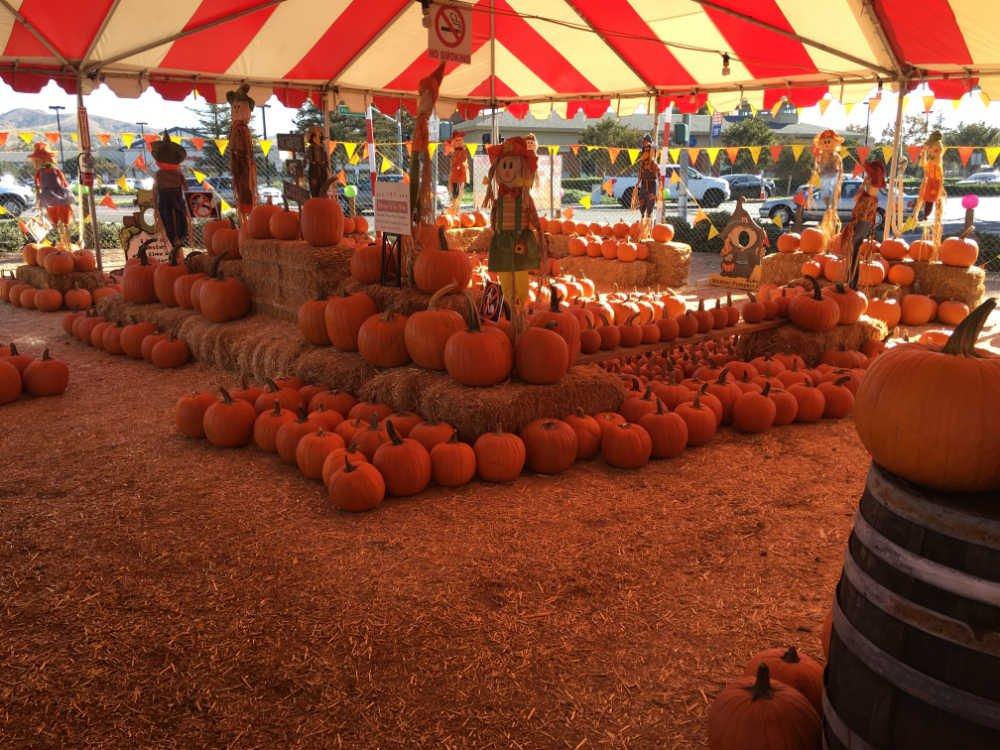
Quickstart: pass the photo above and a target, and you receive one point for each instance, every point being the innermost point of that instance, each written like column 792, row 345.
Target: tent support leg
column 897, row 142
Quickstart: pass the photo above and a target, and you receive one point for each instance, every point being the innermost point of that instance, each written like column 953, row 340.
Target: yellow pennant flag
column 200, row 176
column 777, row 107
column 991, row 153
column 265, row 145
column 779, row 222
column 928, row 100
column 873, row 103
column 675, row 154
column 74, row 137
column 848, row 107
column 351, row 149
column 432, row 148
column 553, row 150
column 814, row 180
column 693, row 154
column 27, row 136
column 797, row 149
column 355, row 159
column 956, row 103
column 712, row 231
column 675, row 177
column 585, row 201
column 224, row 207
column 122, row 183
column 700, row 216
column 3, row 210
column 472, row 148
column 128, row 139
column 176, row 139
column 754, row 152
column 713, row 154
column 910, row 224
column 633, row 154
column 984, row 98
column 386, row 165
column 887, row 153
column 222, row 144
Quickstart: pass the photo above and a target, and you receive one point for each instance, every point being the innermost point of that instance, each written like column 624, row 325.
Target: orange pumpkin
column 435, row 269
column 259, row 222
column 961, row 252
column 788, row 242
column 59, row 262
column 627, row 252
column 366, row 264
column 951, row 312
column 887, row 310
column 381, row 339
column 917, row 309
column 663, row 233
column 812, row 240
column 322, row 222
column 902, row 274
column 284, row 225
column 921, row 250
column 894, row 249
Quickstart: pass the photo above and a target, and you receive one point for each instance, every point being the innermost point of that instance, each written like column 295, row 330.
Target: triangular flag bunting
column 575, row 148
column 432, row 149
column 356, row 159
column 104, row 138
column 873, row 103
column 713, row 154
column 351, row 149
column 928, row 100
column 331, row 146
column 755, row 152
column 984, row 98
column 553, row 150
column 107, row 201
column 585, row 201
column 700, row 216
column 887, row 153
column 265, row 145
column 472, row 148
column 675, row 155
column 409, row 147
column 613, row 152
column 633, row 154
column 910, row 224
column 151, row 138
column 74, row 137
column 3, row 138
column 224, row 207
column 608, row 186
column 775, row 152
column 675, row 176
column 341, row 177
column 693, row 154
column 222, row 144
column 964, row 152
column 52, row 137
column 858, row 169
column 386, row 165
column 198, row 142
column 863, row 152
column 27, row 136
column 712, row 231
column 992, row 152
column 3, row 210
column 200, row 176
column 823, row 104
column 777, row 107
column 913, row 153
column 122, row 183
column 732, row 152
column 814, row 180
column 848, row 107
column 797, row 150
column 128, row 139
column 956, row 103
column 176, row 139
column 778, row 221
column 139, row 163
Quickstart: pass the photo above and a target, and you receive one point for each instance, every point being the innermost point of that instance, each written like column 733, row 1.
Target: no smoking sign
column 449, row 36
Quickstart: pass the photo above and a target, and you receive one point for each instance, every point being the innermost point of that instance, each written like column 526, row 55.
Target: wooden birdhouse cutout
column 743, row 243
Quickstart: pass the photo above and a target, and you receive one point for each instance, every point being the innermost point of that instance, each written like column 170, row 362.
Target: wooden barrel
column 915, row 648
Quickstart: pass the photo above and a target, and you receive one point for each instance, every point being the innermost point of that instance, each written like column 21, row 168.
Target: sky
column 160, row 113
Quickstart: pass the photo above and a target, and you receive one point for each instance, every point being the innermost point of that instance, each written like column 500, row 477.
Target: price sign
column 449, row 36
column 392, row 208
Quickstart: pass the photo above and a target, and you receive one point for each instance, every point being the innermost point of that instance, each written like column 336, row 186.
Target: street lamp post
column 57, row 108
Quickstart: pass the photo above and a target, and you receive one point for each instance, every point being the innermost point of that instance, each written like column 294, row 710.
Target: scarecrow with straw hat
column 241, row 162
column 420, row 172
column 828, row 172
column 317, row 160
column 932, row 185
column 51, row 186
column 515, row 247
column 168, row 190
column 864, row 214
column 649, row 185
column 458, row 175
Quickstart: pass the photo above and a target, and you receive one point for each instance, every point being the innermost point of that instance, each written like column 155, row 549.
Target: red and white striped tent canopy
column 542, row 55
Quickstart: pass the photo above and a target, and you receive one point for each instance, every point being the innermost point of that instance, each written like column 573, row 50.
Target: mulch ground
column 158, row 593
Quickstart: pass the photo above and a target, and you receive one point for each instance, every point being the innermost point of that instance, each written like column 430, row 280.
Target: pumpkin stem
column 272, row 387
column 553, row 298
column 214, row 269
column 723, row 373
column 277, row 408
column 45, row 355
column 963, row 340
column 791, row 656
column 659, row 406
column 454, row 437
column 143, row 253
column 348, row 466
column 762, row 685
column 390, row 428
column 303, row 414
column 766, row 389
column 226, row 398
column 436, row 297
column 816, row 290
column 13, row 349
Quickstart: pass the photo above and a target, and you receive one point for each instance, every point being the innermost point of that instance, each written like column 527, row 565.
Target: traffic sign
column 449, row 36
column 716, row 125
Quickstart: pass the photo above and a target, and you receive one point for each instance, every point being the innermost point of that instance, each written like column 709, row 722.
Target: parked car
column 786, row 207
column 361, row 177
column 991, row 177
column 749, row 185
column 15, row 198
column 272, row 194
column 708, row 191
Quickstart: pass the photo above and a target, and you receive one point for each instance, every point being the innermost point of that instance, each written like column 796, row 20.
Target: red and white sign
column 392, row 208
column 449, row 36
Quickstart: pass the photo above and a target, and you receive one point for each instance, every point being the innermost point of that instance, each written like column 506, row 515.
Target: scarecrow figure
column 932, row 186
column 532, row 142
column 241, row 162
column 648, row 187
column 828, row 172
column 420, row 172
column 515, row 247
column 51, row 186
column 458, row 176
column 168, row 190
column 317, row 161
column 864, row 213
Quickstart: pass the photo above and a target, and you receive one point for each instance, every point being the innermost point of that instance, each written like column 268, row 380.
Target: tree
column 214, row 122
column 350, row 127
column 752, row 131
column 606, row 132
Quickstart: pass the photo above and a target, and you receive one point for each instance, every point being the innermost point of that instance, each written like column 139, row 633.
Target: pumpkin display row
column 960, row 252
column 19, row 294
column 58, row 259
column 603, row 230
column 138, row 340
column 24, row 374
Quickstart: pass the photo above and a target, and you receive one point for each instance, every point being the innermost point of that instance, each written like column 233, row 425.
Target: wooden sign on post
column 392, row 219
column 449, row 34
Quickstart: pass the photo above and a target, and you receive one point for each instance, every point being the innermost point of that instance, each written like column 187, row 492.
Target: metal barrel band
column 840, row 730
column 933, row 692
column 916, row 507
column 918, row 617
column 928, row 571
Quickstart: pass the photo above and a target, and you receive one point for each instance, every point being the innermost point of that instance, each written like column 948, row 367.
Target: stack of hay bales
column 808, row 344
column 781, row 268
column 39, row 278
column 669, row 265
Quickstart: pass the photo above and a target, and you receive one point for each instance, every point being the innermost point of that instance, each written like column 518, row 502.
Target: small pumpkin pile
column 599, row 231
column 22, row 374
column 137, row 340
column 20, row 294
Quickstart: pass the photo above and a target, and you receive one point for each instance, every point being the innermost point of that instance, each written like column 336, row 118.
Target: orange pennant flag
column 107, row 201
column 198, row 142
column 104, row 138
column 613, row 153
column 3, row 138
column 409, row 147
column 331, row 146
column 52, row 136
column 775, row 153
column 913, row 153
column 964, row 152
column 693, row 154
column 575, row 148
column 341, row 177
column 731, row 153
column 150, row 139
column 139, row 163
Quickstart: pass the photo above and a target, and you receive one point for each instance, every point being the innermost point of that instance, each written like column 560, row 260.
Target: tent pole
column 656, row 151
column 897, row 142
column 85, row 157
column 494, row 129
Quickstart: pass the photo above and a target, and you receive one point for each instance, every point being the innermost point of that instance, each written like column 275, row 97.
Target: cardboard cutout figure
column 241, row 161
column 51, row 186
column 932, row 185
column 743, row 241
column 458, row 175
column 515, row 247
column 649, row 186
column 317, row 160
column 864, row 213
column 828, row 174
column 168, row 190
column 421, row 195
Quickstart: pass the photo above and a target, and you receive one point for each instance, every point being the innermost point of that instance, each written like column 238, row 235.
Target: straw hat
column 168, row 152
column 827, row 134
column 42, row 154
column 516, row 146
column 242, row 94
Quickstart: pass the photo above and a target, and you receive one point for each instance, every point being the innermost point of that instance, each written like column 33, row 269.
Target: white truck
column 708, row 191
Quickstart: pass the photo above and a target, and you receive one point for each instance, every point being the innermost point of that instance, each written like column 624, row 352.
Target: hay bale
column 39, row 278
column 781, row 268
column 468, row 239
column 671, row 263
column 558, row 244
column 966, row 285
column 405, row 300
column 514, row 404
column 201, row 262
column 808, row 345
column 337, row 370
column 668, row 266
